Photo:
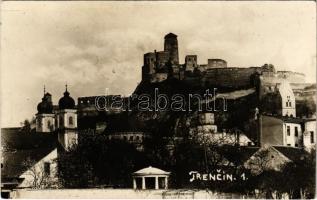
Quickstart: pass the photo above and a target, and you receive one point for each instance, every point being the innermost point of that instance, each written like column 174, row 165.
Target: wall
column 38, row 168
column 292, row 140
column 232, row 77
column 271, row 131
column 67, row 138
column 190, row 62
column 293, row 77
column 135, row 138
column 62, row 118
column 45, row 123
column 125, row 194
column 158, row 77
column 310, row 128
column 216, row 63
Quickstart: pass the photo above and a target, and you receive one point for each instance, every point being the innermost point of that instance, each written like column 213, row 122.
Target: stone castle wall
column 232, row 77
column 293, row 77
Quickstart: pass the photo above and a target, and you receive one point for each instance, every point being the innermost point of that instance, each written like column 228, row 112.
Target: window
column 70, row 120
column 312, row 137
column 296, row 145
column 288, row 144
column 131, row 138
column 286, row 103
column 288, row 130
column 61, row 121
column 296, row 131
column 47, row 168
column 137, row 138
column 125, row 137
column 290, row 104
column 48, row 124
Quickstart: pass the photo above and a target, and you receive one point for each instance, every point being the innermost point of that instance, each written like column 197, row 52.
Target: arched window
column 48, row 124
column 70, row 120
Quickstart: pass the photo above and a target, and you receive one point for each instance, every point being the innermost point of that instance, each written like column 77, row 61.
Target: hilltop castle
column 161, row 65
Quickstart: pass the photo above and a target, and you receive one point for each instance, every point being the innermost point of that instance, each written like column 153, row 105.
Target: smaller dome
column 66, row 102
column 46, row 106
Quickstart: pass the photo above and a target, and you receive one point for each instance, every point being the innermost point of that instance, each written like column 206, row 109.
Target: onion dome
column 46, row 106
column 66, row 102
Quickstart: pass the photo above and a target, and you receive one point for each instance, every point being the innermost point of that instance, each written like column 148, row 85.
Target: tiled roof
column 239, row 155
column 18, row 146
column 293, row 153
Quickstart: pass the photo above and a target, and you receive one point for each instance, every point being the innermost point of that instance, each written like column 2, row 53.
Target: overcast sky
column 95, row 45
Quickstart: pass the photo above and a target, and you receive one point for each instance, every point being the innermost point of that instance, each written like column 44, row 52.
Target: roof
column 235, row 94
column 18, row 146
column 293, row 153
column 239, row 155
column 170, row 35
column 151, row 171
column 14, row 162
column 291, row 119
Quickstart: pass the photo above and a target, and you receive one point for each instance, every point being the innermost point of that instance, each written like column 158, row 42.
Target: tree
column 26, row 126
column 37, row 176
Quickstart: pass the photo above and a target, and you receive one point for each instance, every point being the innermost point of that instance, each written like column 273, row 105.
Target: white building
column 309, row 135
column 288, row 98
column 206, row 131
column 283, row 131
column 41, row 173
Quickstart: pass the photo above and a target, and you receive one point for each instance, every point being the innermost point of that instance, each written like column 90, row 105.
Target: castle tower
column 171, row 46
column 45, row 117
column 66, row 121
column 190, row 62
column 148, row 65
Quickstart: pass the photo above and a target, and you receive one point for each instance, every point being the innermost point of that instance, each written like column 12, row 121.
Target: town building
column 204, row 129
column 281, row 131
column 309, row 134
column 28, row 160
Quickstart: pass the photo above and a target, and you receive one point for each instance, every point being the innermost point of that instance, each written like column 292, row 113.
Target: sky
column 92, row 46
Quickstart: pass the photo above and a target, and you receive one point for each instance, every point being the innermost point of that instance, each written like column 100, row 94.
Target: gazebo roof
column 150, row 171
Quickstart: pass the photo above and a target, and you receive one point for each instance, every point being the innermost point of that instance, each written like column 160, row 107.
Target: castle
column 161, row 65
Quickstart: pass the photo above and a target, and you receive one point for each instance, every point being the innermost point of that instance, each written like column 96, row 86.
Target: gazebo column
column 143, row 183
column 156, row 183
column 166, row 182
column 134, row 183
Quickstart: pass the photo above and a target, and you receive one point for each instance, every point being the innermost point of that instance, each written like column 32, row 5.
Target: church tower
column 45, row 118
column 66, row 121
column 171, row 47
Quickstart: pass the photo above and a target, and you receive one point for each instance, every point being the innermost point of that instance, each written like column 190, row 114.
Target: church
column 61, row 119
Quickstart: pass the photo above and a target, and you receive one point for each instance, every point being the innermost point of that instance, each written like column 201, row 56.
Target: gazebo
column 150, row 178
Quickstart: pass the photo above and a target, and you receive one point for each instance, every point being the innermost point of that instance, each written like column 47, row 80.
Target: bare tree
column 37, row 177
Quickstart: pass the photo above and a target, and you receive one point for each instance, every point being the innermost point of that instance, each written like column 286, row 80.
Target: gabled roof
column 239, row 155
column 292, row 153
column 18, row 146
column 14, row 162
column 151, row 171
